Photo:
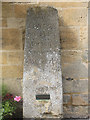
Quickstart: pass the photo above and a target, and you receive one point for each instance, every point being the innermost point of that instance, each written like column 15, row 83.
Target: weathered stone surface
column 15, row 57
column 22, row 10
column 71, row 56
column 66, row 99
column 65, row 4
column 74, row 86
column 67, row 85
column 3, row 57
column 42, row 69
column 69, row 38
column 16, row 22
column 13, row 86
column 4, row 22
column 76, row 70
column 75, row 112
column 84, row 37
column 85, row 56
column 0, row 34
column 80, row 99
column 7, row 10
column 12, row 71
column 80, row 86
column 71, row 17
column 11, row 39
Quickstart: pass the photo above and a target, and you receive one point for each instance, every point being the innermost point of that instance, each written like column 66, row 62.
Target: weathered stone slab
column 42, row 81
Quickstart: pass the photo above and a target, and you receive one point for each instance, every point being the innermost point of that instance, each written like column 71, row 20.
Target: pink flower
column 17, row 98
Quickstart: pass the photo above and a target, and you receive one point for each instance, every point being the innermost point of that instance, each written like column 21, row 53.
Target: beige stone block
column 4, row 22
column 67, row 111
column 7, row 9
column 89, row 37
column 0, row 22
column 16, row 22
column 12, row 23
column 80, row 99
column 0, row 44
column 80, row 112
column 67, row 85
column 3, row 57
column 69, row 38
column 73, row 17
column 0, row 9
column 14, row 86
column 70, row 56
column 76, row 70
column 0, row 33
column 0, row 39
column 75, row 111
column 0, row 57
column 0, row 72
column 12, row 71
column 65, row 4
column 80, row 86
column 15, row 57
column 84, row 37
column 67, row 99
column 85, row 56
column 20, row 10
column 11, row 39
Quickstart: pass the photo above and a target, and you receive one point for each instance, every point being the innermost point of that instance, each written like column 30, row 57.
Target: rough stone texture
column 22, row 11
column 11, row 39
column 42, row 69
column 14, row 71
column 69, row 38
column 66, row 99
column 4, row 22
column 3, row 57
column 71, row 17
column 15, row 57
column 80, row 86
column 72, row 56
column 16, row 85
column 80, row 99
column 65, row 4
column 7, row 10
column 75, row 112
column 78, row 70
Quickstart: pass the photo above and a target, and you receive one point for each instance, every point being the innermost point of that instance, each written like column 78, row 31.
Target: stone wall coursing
column 74, row 51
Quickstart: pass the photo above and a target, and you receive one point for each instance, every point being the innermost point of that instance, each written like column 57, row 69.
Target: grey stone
column 80, row 99
column 80, row 86
column 42, row 69
column 85, row 56
column 76, row 71
column 75, row 112
column 67, row 99
column 75, row 86
column 67, row 85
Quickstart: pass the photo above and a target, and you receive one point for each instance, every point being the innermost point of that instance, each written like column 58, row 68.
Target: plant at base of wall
column 9, row 104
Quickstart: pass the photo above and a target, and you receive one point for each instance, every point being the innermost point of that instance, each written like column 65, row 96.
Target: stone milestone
column 42, row 78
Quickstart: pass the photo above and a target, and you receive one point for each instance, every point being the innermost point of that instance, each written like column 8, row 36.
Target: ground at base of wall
column 57, row 119
column 75, row 119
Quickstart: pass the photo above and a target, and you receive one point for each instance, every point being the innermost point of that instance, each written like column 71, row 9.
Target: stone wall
column 73, row 20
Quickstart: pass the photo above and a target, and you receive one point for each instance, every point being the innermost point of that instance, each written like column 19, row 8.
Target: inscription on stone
column 42, row 70
column 42, row 97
